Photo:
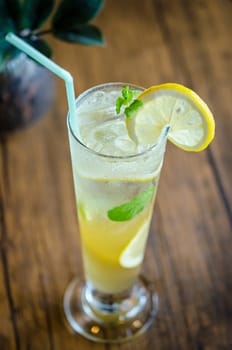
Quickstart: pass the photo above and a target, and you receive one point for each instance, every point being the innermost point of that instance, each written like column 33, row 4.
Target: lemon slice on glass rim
column 191, row 122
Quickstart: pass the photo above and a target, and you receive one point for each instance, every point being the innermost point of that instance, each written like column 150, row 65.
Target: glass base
column 110, row 318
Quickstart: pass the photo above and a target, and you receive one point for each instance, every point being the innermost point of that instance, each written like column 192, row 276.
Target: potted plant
column 23, row 81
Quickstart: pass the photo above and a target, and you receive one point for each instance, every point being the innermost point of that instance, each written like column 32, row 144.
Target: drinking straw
column 49, row 64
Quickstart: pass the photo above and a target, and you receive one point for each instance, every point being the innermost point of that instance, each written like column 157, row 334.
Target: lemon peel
column 192, row 125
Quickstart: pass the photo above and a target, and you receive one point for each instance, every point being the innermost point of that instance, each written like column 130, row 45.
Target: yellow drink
column 111, row 171
column 104, row 241
column 115, row 182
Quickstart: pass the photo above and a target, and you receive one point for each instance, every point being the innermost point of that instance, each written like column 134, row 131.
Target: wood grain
column 189, row 251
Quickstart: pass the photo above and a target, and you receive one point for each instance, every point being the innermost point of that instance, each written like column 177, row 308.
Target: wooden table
column 189, row 255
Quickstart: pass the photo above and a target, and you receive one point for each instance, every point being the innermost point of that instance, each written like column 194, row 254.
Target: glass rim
column 107, row 156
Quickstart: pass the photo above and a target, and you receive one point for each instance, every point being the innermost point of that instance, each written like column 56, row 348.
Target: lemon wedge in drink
column 191, row 122
column 132, row 255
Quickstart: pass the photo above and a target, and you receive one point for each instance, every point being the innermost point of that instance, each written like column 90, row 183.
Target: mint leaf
column 126, row 98
column 125, row 92
column 130, row 209
column 119, row 103
column 132, row 108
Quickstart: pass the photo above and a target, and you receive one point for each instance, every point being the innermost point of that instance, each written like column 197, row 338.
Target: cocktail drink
column 115, row 183
column 117, row 143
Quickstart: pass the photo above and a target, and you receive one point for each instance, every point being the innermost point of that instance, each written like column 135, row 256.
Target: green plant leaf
column 127, row 94
column 132, row 108
column 35, row 13
column 125, row 99
column 14, row 10
column 130, row 209
column 76, row 11
column 119, row 102
column 85, row 35
column 9, row 15
column 41, row 45
column 7, row 52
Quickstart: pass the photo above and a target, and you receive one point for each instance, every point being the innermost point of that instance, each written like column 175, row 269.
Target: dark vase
column 26, row 93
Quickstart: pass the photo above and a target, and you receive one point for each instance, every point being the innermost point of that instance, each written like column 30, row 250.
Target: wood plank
column 203, row 52
column 197, row 249
column 8, row 330
column 40, row 264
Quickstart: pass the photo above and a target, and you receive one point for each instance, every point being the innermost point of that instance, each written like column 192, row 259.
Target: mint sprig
column 132, row 108
column 128, row 99
column 128, row 210
column 119, row 103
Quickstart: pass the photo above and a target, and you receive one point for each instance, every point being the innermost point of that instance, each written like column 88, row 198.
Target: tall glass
column 115, row 183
